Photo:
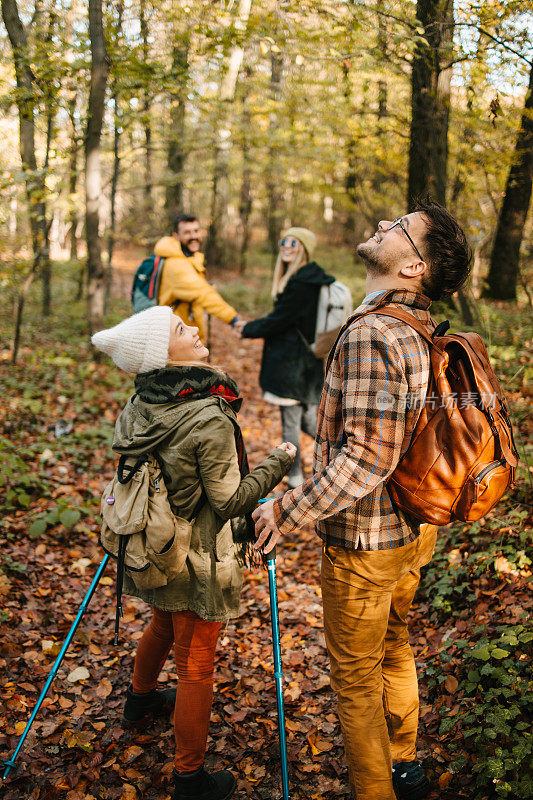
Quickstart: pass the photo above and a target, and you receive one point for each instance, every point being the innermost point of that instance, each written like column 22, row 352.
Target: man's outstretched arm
column 374, row 391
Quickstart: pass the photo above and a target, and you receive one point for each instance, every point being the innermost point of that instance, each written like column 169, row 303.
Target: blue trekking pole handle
column 86, row 600
column 270, row 559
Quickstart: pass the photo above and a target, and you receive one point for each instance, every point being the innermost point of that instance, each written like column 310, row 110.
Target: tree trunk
column 147, row 127
column 430, row 102
column 216, row 245
column 350, row 179
column 274, row 177
column 176, row 147
column 505, row 259
column 95, row 113
column 117, row 128
column 73, row 175
column 35, row 186
column 245, row 202
column 18, row 318
column 113, row 197
column 50, row 107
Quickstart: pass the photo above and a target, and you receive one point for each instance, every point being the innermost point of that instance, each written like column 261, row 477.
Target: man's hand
column 239, row 325
column 265, row 526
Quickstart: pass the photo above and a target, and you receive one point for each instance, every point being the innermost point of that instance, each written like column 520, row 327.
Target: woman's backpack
column 334, row 307
column 461, row 457
column 139, row 528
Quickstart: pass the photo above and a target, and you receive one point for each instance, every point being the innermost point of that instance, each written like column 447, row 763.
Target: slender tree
column 34, row 177
column 505, row 259
column 117, row 131
column 147, row 124
column 216, row 246
column 350, row 178
column 274, row 179
column 176, row 154
column 95, row 114
column 245, row 196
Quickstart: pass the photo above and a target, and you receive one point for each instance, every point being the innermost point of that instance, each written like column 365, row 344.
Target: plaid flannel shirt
column 373, row 394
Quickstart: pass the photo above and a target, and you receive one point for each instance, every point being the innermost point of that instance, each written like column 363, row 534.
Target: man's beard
column 187, row 250
column 374, row 265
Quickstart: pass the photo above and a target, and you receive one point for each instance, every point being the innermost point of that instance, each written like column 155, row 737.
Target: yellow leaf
column 5, row 584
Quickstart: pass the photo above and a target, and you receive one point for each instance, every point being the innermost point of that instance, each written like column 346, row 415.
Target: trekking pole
column 270, row 559
column 86, row 600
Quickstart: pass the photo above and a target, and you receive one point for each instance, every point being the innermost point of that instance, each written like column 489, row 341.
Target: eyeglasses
column 398, row 223
column 288, row 242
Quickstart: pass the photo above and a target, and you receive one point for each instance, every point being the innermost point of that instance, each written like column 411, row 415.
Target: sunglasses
column 398, row 223
column 288, row 242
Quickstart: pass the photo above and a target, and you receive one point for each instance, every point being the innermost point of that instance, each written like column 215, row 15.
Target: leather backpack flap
column 490, row 397
column 460, row 430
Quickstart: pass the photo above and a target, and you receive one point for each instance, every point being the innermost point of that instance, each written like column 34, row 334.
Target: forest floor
column 468, row 624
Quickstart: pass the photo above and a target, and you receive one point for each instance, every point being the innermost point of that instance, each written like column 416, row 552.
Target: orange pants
column 367, row 596
column 195, row 642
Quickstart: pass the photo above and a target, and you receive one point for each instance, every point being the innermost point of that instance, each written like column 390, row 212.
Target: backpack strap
column 381, row 307
column 121, row 557
column 403, row 316
column 125, row 472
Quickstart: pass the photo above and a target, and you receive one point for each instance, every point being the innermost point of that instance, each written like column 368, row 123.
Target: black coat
column 288, row 368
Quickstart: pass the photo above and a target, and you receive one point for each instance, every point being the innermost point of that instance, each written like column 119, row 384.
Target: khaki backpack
column 461, row 457
column 140, row 529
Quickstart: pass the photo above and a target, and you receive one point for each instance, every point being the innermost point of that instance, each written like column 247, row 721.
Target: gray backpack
column 334, row 307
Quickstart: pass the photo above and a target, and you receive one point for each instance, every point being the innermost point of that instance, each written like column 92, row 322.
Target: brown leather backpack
column 462, row 456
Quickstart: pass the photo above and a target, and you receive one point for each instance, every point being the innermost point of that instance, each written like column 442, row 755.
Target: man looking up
column 183, row 282
column 372, row 553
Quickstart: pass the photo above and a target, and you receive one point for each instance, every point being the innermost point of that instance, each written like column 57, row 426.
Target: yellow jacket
column 185, row 288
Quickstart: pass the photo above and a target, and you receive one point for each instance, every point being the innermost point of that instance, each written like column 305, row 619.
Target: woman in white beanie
column 291, row 377
column 185, row 412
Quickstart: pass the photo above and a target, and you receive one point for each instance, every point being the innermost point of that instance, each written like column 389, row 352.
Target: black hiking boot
column 156, row 703
column 409, row 781
column 200, row 785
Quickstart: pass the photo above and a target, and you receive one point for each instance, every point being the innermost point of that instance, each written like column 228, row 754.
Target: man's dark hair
column 183, row 218
column 447, row 250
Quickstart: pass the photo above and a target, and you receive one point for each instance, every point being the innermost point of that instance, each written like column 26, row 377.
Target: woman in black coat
column 291, row 377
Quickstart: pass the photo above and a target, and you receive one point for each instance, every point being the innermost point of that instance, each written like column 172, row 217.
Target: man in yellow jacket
column 183, row 282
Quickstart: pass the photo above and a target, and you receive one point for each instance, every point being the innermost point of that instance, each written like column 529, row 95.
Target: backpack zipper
column 488, row 468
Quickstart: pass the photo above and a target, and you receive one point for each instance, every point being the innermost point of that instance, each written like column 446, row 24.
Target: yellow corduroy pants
column 366, row 597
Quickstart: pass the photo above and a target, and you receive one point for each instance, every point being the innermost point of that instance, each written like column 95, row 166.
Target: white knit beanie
column 138, row 343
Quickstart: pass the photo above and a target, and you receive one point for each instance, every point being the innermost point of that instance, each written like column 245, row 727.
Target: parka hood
column 313, row 273
column 167, row 247
column 170, row 247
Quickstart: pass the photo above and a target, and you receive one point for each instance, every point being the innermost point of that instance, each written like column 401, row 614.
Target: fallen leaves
column 79, row 732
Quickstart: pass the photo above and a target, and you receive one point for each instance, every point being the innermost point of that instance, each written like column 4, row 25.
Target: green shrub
column 492, row 721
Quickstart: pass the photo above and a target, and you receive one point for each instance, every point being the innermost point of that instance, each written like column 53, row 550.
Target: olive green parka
column 195, row 442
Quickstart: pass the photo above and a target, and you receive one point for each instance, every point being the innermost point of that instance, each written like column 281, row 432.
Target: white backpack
column 334, row 307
